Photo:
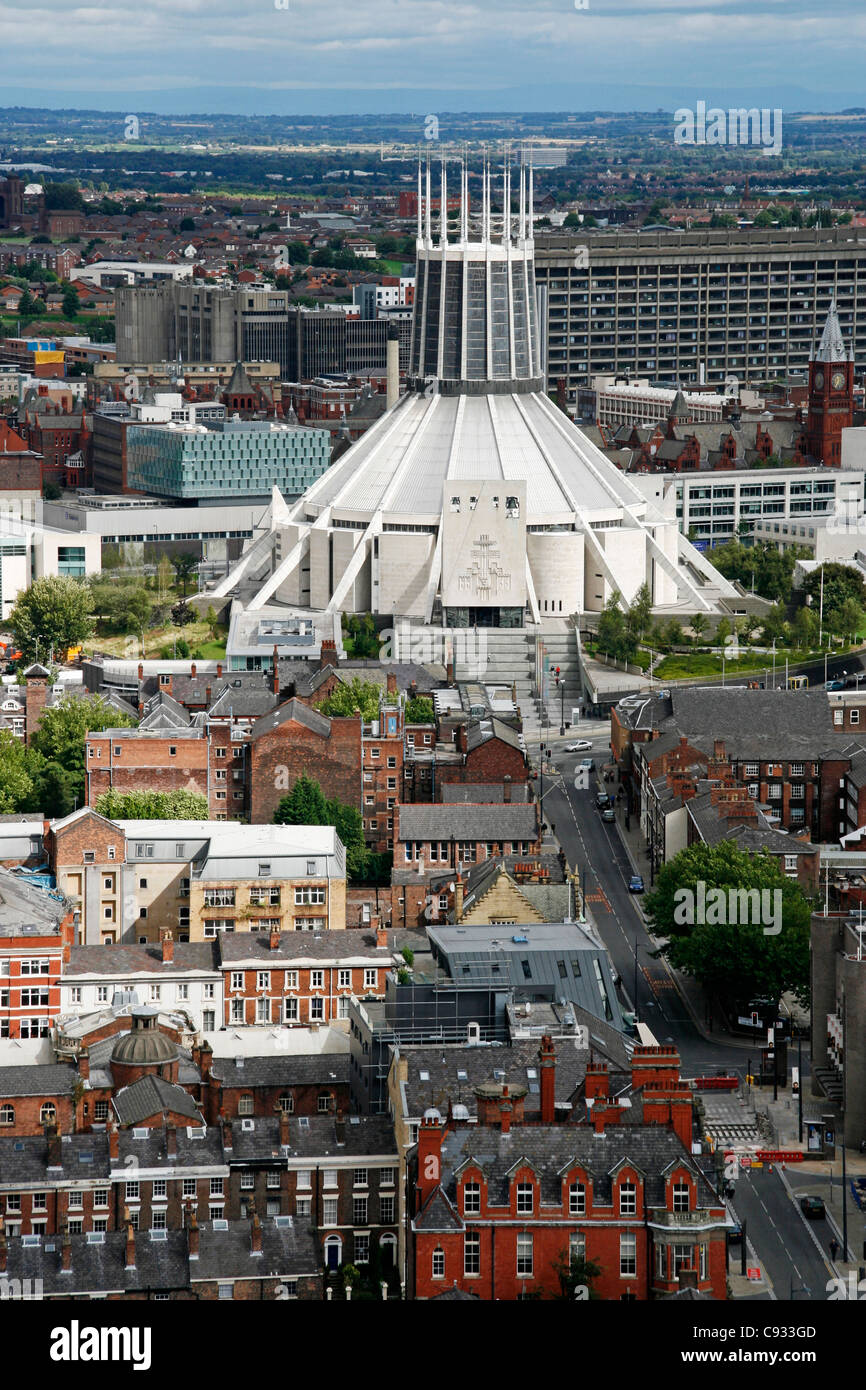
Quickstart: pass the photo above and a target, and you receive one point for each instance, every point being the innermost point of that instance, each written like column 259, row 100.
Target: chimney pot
column 274, row 939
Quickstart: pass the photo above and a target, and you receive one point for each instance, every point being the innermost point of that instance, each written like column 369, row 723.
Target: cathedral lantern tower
column 831, row 394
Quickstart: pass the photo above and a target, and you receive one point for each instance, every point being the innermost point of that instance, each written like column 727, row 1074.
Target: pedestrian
column 834, row 1249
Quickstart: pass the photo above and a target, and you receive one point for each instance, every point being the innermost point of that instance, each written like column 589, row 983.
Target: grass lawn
column 198, row 635
column 686, row 665
column 394, row 267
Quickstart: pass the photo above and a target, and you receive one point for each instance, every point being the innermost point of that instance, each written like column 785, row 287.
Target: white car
column 583, row 745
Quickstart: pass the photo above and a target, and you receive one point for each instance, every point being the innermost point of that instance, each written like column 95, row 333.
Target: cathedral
column 474, row 501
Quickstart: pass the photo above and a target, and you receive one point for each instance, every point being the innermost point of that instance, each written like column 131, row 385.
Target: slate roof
column 548, row 1149
column 490, row 793
column 25, row 1160
column 451, row 1073
column 420, row 821
column 197, row 956
column 45, row 1079
column 482, row 730
column 316, row 1136
column 152, row 1095
column 152, row 1150
column 160, row 1265
column 293, row 710
column 306, row 1069
column 290, row 1250
column 295, row 946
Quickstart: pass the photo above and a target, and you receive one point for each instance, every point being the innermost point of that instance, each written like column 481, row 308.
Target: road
column 596, row 849
column 792, row 1249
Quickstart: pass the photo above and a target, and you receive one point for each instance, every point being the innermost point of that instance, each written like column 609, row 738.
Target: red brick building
column 35, row 936
column 160, row 759
column 501, row 1213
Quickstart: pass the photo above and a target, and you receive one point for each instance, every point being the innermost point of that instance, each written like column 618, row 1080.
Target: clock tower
column 831, row 394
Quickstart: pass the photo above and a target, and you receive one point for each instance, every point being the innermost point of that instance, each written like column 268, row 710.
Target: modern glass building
column 236, row 458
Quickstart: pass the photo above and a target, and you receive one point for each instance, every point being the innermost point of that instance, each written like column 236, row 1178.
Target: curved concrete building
column 474, row 501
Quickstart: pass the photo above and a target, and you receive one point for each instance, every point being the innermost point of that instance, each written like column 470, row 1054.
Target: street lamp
column 561, row 686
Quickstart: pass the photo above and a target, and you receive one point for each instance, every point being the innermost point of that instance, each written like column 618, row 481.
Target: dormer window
column 471, row 1198
column 525, row 1197
column 627, row 1199
column 682, row 1194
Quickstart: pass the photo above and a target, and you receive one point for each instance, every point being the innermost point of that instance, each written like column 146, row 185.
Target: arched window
column 333, row 1252
column 7, row 1114
column 48, row 1113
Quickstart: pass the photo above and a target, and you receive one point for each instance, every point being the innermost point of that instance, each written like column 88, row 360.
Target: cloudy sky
column 316, row 56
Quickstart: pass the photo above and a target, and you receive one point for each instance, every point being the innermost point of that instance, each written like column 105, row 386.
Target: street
column 793, row 1249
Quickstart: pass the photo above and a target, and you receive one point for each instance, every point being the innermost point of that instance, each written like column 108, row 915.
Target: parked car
column 835, row 685
column 583, row 745
column 635, row 884
column 812, row 1207
column 608, row 814
column 602, row 800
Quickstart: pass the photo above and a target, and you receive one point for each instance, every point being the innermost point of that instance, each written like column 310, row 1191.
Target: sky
column 431, row 56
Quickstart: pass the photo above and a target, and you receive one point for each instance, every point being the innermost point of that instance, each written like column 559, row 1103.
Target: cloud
column 58, row 46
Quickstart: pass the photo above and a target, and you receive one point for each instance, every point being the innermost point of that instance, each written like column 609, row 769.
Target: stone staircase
column 561, row 648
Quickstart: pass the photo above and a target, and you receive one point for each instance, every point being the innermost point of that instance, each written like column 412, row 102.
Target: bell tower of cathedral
column 831, row 394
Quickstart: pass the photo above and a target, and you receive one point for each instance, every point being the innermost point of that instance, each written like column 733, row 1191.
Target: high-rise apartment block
column 697, row 306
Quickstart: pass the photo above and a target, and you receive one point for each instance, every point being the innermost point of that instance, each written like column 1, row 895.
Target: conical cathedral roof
column 832, row 347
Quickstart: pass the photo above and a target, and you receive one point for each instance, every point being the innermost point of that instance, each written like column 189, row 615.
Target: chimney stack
column 55, row 1151
column 192, row 1235
column 458, row 896
column 227, row 1131
column 429, row 1157
column 547, row 1061
column 66, row 1252
column 381, row 936
column 219, row 669
column 130, row 1240
column 274, row 939
column 505, row 1111
column 255, row 1231
column 506, row 789
column 192, row 670
column 391, row 683
column 284, row 1127
column 167, row 947
column 113, row 1142
column 171, row 1141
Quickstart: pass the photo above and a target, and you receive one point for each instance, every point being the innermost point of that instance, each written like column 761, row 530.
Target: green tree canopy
column 349, row 696
column 419, row 710
column 63, row 728
column 54, row 613
column 841, row 582
column 614, row 636
column 17, row 779
column 735, row 961
column 153, row 805
column 306, row 804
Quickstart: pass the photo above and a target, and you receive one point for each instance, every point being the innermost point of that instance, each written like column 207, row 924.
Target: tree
column 575, row 1273
column 53, row 613
column 613, row 635
column 63, row 728
column 350, row 696
column 16, row 773
column 805, row 627
column 734, row 960
column 187, row 224
column 185, row 567
column 50, row 491
column 123, row 606
column 71, row 303
column 840, row 582
column 639, row 613
column 182, row 613
column 62, row 197
column 153, row 805
column 698, row 625
column 306, row 804
column 419, row 710
column 848, row 618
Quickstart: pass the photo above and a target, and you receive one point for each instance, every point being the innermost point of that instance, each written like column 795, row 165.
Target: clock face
column 838, row 381
column 819, row 380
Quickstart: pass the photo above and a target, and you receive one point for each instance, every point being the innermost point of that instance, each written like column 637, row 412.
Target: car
column 583, row 745
column 602, row 800
column 587, row 762
column 608, row 814
column 812, row 1207
column 835, row 685
column 635, row 884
